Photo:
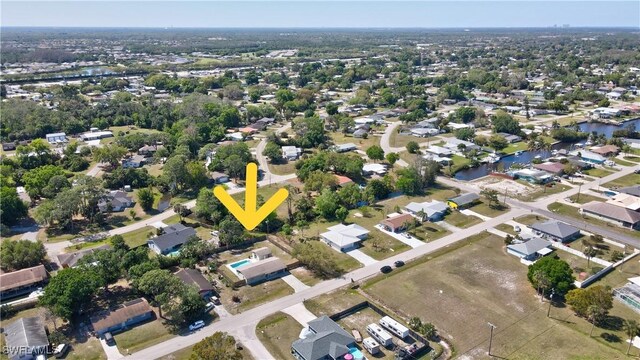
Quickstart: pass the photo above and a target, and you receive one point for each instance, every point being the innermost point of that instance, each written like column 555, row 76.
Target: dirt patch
column 513, row 188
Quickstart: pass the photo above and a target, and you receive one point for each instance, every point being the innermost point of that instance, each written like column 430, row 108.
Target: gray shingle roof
column 26, row 332
column 329, row 339
column 612, row 212
column 555, row 228
column 631, row 190
column 174, row 235
column 531, row 246
column 465, row 199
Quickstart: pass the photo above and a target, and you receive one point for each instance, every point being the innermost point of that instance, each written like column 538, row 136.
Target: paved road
column 252, row 316
column 95, row 170
column 264, row 164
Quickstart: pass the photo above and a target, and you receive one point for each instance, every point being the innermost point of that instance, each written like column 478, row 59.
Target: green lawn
column 138, row 237
column 277, row 332
column 283, row 169
column 461, row 220
column 333, row 302
column 362, row 144
column 627, row 180
column 632, row 158
column 142, row 336
column 542, row 191
column 88, row 349
column 252, row 296
column 483, row 208
column 571, row 211
column 428, row 231
column 530, row 219
column 597, row 172
column 381, row 246
column 584, row 198
column 515, row 147
column 506, row 228
column 623, row 162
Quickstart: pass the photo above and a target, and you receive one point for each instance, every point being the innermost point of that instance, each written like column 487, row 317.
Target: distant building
column 432, row 211
column 397, row 223
column 345, row 147
column 116, row 201
column 291, row 153
column 133, row 162
column 126, row 316
column 533, row 176
column 96, row 134
column 370, row 169
column 219, row 177
column 510, row 137
column 606, row 150
column 554, row 168
column 56, row 138
column 626, row 201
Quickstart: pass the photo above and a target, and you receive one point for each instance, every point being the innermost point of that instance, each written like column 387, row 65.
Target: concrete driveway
column 111, row 351
column 300, row 313
column 363, row 258
column 295, row 284
column 410, row 240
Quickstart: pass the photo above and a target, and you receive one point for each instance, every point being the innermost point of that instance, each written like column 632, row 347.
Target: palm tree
column 589, row 252
column 542, row 282
column 632, row 329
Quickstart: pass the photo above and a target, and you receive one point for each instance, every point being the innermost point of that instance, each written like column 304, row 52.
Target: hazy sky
column 303, row 13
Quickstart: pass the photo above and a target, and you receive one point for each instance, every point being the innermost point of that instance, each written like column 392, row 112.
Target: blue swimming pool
column 240, row 263
column 357, row 354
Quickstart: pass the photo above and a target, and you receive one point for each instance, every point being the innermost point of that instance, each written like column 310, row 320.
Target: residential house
column 510, row 137
column 606, row 150
column 453, row 145
column 439, row 150
column 344, row 237
column 23, row 195
column 236, row 136
column 439, row 159
column 218, row 177
column 193, row 277
column 56, row 138
column 633, row 143
column 133, row 162
column 611, row 213
column 323, row 339
column 428, row 123
column 397, row 223
column 127, row 315
column 360, row 133
column 8, row 146
column 26, row 338
column 631, row 190
column 260, row 254
column 345, row 147
column 248, row 130
column 291, row 153
column 458, row 126
column 343, row 180
column 423, row 132
column 69, row 260
column 589, row 156
column 463, row 201
column 149, row 150
column 370, row 169
column 171, row 240
column 115, row 201
column 263, row 270
column 556, row 230
column 626, row 201
column 613, row 95
column 96, row 134
column 554, row 168
column 533, row 176
column 258, row 126
column 22, row 281
column 531, row 249
column 432, row 211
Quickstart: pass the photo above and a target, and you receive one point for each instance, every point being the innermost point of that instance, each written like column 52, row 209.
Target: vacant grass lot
column 252, row 296
column 483, row 208
column 461, row 220
column 428, row 231
column 142, row 336
column 627, row 180
column 476, row 282
column 542, row 191
column 362, row 144
column 333, row 302
column 381, row 246
column 598, row 172
column 283, row 169
column 277, row 332
column 568, row 210
column 515, row 147
column 623, row 162
column 584, row 198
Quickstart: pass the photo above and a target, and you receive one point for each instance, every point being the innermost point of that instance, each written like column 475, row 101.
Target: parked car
column 60, row 351
column 209, row 307
column 517, row 229
column 407, row 235
column 356, row 335
column 215, row 300
column 196, row 325
column 386, row 269
column 399, row 263
column 239, row 345
column 637, row 171
column 108, row 338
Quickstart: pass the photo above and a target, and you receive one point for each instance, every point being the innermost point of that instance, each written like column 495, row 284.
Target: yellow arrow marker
column 250, row 217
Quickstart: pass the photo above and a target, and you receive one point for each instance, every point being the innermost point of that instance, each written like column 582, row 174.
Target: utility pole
column 579, row 188
column 553, row 292
column 506, row 191
column 491, row 327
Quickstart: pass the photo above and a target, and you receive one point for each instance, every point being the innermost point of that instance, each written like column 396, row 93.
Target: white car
column 516, row 228
column 209, row 307
column 196, row 325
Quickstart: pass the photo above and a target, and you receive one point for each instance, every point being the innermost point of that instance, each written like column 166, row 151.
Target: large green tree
column 556, row 272
column 12, row 208
column 69, row 293
column 218, row 346
column 20, row 254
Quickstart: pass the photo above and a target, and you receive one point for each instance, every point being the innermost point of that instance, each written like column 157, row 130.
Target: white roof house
column 452, row 143
column 439, row 150
column 55, row 138
column 626, row 201
column 344, row 237
column 424, row 132
column 379, row 169
column 433, row 210
column 291, row 152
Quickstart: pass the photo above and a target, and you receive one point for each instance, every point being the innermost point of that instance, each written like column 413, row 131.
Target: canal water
column 528, row 156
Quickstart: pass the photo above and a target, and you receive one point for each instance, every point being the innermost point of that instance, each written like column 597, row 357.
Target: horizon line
column 560, row 27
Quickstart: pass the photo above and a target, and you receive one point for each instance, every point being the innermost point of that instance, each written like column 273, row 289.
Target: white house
column 370, row 169
column 432, row 211
column 439, row 150
column 424, row 132
column 291, row 152
column 530, row 249
column 344, row 237
column 56, row 138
